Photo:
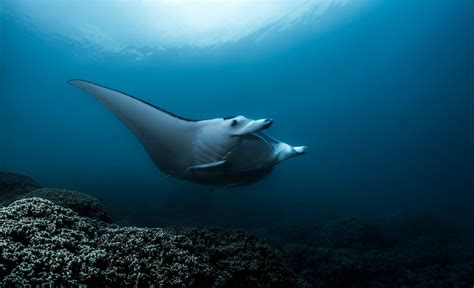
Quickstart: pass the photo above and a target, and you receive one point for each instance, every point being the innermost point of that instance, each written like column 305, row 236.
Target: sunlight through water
column 127, row 26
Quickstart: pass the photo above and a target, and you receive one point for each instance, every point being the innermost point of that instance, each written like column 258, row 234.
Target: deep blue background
column 384, row 99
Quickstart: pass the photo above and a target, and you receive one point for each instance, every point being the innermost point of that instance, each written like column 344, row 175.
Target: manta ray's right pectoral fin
column 208, row 166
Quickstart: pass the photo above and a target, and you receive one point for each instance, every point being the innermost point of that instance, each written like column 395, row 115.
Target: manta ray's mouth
column 254, row 126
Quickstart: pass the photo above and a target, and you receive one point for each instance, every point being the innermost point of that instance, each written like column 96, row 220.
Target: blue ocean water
column 381, row 92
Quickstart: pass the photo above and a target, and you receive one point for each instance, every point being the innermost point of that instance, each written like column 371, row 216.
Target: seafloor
column 57, row 237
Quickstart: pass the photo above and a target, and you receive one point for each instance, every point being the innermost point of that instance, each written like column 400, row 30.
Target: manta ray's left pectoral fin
column 208, row 166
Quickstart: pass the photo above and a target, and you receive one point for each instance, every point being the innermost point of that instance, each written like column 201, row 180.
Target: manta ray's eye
column 234, row 123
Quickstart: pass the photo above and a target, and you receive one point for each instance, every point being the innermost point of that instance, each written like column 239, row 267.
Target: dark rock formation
column 43, row 243
column 85, row 205
column 13, row 185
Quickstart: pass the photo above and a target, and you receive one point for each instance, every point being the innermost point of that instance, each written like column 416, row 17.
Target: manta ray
column 230, row 151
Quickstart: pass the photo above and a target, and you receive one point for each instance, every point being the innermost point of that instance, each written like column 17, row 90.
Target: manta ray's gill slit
column 201, row 156
column 211, row 150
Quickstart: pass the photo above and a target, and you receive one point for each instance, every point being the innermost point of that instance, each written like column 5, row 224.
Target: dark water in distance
column 384, row 99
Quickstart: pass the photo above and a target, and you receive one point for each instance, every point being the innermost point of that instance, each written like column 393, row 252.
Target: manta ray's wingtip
column 83, row 84
column 75, row 82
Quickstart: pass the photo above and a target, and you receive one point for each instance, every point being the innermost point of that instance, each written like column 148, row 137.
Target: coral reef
column 13, row 185
column 339, row 233
column 329, row 267
column 361, row 253
column 85, row 205
column 57, row 237
column 43, row 243
column 239, row 257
